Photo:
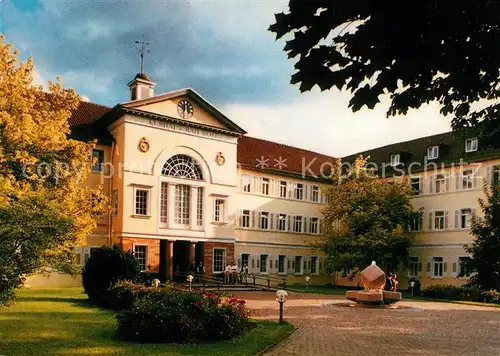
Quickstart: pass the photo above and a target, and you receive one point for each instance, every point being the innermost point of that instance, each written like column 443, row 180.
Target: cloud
column 322, row 122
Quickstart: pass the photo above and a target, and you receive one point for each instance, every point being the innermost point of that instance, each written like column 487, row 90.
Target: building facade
column 187, row 185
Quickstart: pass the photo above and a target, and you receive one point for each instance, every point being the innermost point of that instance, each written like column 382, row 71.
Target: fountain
column 373, row 280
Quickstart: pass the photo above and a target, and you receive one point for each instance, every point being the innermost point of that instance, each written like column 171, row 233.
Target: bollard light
column 412, row 285
column 308, row 279
column 190, row 280
column 281, row 299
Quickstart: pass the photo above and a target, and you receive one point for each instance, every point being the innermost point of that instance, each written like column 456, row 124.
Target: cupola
column 141, row 87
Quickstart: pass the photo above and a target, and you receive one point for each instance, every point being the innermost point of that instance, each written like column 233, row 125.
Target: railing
column 256, row 281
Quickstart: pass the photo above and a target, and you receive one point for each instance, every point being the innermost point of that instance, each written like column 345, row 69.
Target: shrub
column 124, row 293
column 491, row 296
column 104, row 269
column 441, row 291
column 179, row 316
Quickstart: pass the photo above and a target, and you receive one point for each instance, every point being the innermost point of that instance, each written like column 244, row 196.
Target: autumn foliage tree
column 45, row 207
column 367, row 219
column 414, row 51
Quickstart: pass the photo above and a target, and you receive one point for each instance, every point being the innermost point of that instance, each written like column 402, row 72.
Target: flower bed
column 179, row 316
column 465, row 293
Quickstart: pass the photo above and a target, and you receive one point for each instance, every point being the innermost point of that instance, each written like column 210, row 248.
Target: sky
column 220, row 48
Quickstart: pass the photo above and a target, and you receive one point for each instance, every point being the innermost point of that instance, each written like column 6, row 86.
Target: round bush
column 104, row 269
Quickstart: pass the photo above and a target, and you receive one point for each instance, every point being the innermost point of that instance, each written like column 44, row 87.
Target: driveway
column 327, row 325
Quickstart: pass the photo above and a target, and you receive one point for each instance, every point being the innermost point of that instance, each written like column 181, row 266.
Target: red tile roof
column 87, row 113
column 251, row 150
column 262, row 155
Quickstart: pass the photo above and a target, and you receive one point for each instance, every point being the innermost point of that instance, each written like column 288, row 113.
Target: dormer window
column 471, row 144
column 395, row 160
column 432, row 152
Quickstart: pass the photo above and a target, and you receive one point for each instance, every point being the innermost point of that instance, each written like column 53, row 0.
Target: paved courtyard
column 327, row 326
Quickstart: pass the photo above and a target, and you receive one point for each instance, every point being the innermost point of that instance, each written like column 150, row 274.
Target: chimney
column 141, row 87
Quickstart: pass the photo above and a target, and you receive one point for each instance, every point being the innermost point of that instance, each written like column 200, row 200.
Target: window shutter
column 475, row 176
column 291, row 190
column 457, row 219
column 445, row 267
column 305, row 228
column 430, row 222
column 429, row 259
column 457, row 181
column 446, row 219
column 454, row 272
column 271, row 221
column 289, row 223
column 422, row 185
column 258, row 262
column 306, row 191
column 432, row 185
column 447, row 181
column 319, row 226
column 253, row 224
column 489, row 175
column 473, row 212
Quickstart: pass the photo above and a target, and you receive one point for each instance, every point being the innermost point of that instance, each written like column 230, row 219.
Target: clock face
column 185, row 109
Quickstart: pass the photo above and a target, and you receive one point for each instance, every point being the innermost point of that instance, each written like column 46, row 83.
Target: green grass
column 61, row 322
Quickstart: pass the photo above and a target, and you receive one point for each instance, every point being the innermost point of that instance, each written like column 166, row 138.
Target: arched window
column 182, row 166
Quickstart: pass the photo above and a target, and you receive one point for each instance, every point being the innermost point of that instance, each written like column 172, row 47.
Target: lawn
column 60, row 322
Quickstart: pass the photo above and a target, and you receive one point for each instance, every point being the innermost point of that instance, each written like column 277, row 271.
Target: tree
column 485, row 249
column 367, row 219
column 44, row 207
column 418, row 52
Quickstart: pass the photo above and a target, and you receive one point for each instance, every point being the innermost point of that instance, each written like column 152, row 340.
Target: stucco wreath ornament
column 144, row 144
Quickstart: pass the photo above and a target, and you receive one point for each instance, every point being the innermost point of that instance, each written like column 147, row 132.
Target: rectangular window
column 182, row 204
column 433, row 152
column 245, row 257
column 88, row 251
column 466, row 179
column 471, row 145
column 218, row 260
column 282, row 222
column 495, row 174
column 283, row 189
column 416, row 224
column 141, row 255
column 263, row 263
column 298, row 264
column 463, row 271
column 413, row 266
column 297, row 224
column 114, row 202
column 220, row 210
column 315, row 193
column 247, row 182
column 395, row 160
column 281, row 263
column 264, row 220
column 265, row 186
column 164, row 203
column 416, row 186
column 245, row 218
column 314, row 264
column 141, row 202
column 465, row 218
column 440, row 183
column 437, row 266
column 199, row 207
column 439, row 223
column 98, row 160
column 314, row 225
column 299, row 191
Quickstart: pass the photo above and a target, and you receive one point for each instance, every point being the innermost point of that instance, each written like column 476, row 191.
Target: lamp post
column 281, row 298
column 412, row 285
column 190, row 280
column 308, row 279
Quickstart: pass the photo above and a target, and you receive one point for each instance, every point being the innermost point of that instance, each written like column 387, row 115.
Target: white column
column 193, row 208
column 171, row 204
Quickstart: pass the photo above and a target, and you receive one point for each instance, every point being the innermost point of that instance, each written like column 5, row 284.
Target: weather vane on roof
column 142, row 47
